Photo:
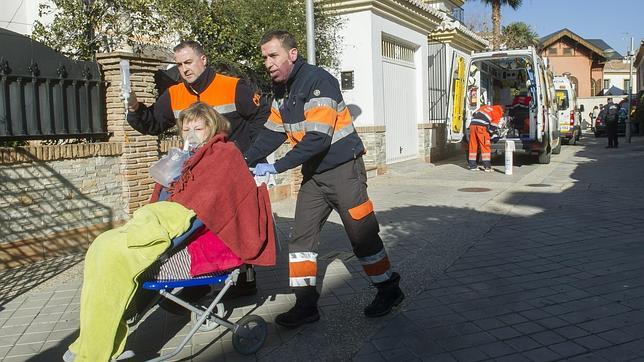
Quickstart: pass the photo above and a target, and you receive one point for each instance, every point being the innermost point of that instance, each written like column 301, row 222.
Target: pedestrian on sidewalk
column 611, row 118
column 309, row 111
column 484, row 121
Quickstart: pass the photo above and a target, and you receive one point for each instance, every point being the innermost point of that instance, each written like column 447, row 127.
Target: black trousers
column 343, row 189
column 611, row 132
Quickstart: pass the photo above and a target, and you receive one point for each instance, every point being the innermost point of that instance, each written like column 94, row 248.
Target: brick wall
column 55, row 199
column 139, row 151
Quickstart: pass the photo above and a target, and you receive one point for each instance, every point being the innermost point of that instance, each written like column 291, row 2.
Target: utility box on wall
column 346, row 80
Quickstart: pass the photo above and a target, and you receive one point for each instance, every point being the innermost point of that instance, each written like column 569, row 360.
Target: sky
column 612, row 21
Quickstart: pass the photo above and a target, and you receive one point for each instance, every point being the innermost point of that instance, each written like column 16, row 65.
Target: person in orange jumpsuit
column 482, row 121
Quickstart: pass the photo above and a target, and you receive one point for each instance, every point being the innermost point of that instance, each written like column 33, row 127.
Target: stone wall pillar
column 432, row 142
column 139, row 151
column 374, row 141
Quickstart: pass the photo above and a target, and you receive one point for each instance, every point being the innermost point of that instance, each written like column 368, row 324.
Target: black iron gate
column 45, row 95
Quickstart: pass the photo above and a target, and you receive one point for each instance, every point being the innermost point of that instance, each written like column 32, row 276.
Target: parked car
column 600, row 125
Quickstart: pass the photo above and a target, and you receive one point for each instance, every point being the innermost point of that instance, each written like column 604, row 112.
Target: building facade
column 583, row 61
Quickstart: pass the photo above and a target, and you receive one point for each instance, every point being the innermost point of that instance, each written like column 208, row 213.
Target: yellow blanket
column 112, row 264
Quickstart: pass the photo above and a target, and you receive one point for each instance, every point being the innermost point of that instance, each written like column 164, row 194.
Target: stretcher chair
column 249, row 332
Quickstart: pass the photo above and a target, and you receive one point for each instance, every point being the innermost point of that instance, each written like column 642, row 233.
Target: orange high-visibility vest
column 220, row 94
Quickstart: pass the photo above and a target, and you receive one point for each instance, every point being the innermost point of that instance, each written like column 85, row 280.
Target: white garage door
column 399, row 88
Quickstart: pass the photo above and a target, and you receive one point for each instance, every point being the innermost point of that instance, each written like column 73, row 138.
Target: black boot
column 304, row 311
column 389, row 295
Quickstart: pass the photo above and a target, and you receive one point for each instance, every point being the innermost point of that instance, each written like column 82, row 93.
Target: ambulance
column 519, row 80
column 568, row 113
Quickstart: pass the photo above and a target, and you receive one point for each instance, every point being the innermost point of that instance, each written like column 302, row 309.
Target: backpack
column 612, row 113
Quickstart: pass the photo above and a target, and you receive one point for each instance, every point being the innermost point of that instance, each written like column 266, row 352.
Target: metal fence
column 45, row 95
column 438, row 83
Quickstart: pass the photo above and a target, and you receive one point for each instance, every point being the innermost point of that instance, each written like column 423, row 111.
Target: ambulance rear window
column 562, row 98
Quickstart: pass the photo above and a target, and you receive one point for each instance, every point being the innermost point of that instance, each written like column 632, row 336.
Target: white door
column 399, row 94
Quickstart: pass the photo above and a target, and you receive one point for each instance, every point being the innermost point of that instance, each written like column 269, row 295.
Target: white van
column 568, row 113
column 519, row 80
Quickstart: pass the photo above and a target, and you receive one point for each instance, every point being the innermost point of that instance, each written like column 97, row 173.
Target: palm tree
column 519, row 35
column 496, row 17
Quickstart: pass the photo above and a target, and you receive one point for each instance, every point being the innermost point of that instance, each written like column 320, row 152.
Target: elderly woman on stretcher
column 215, row 186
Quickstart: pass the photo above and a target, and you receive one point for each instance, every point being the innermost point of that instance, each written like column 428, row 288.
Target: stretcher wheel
column 251, row 339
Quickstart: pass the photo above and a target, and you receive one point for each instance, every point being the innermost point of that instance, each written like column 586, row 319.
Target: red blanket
column 216, row 184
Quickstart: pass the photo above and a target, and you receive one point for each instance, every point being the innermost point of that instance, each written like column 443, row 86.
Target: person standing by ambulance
column 309, row 111
column 484, row 120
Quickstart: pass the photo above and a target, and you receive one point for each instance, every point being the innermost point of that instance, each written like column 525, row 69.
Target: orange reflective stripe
column 220, row 92
column 344, row 119
column 275, row 116
column 302, row 269
column 324, row 115
column 377, row 268
column 295, row 137
column 362, row 210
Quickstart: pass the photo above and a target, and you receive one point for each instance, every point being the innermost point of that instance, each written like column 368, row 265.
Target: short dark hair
column 189, row 44
column 286, row 39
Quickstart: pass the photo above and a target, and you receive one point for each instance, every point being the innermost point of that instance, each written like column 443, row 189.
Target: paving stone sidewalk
column 544, row 265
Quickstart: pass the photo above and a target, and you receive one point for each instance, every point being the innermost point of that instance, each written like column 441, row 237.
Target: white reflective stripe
column 275, row 104
column 274, row 126
column 342, row 133
column 295, row 127
column 380, row 278
column 320, row 102
column 303, row 282
column 367, row 260
column 225, row 108
column 341, row 107
column 302, row 256
column 311, row 126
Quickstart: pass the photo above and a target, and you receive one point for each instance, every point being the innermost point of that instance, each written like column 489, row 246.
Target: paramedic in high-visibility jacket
column 309, row 111
column 483, row 122
column 232, row 97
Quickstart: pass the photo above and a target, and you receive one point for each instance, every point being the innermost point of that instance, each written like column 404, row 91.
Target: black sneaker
column 389, row 296
column 297, row 316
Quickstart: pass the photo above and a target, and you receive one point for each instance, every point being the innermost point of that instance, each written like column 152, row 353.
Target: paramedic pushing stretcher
column 309, row 111
column 483, row 121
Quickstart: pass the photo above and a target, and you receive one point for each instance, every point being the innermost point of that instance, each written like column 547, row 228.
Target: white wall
column 617, row 79
column 361, row 53
column 20, row 15
column 356, row 50
column 411, row 37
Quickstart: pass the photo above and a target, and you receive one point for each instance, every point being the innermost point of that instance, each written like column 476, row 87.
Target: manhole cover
column 474, row 189
column 538, row 185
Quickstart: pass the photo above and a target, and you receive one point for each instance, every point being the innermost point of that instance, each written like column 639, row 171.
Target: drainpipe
column 310, row 33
